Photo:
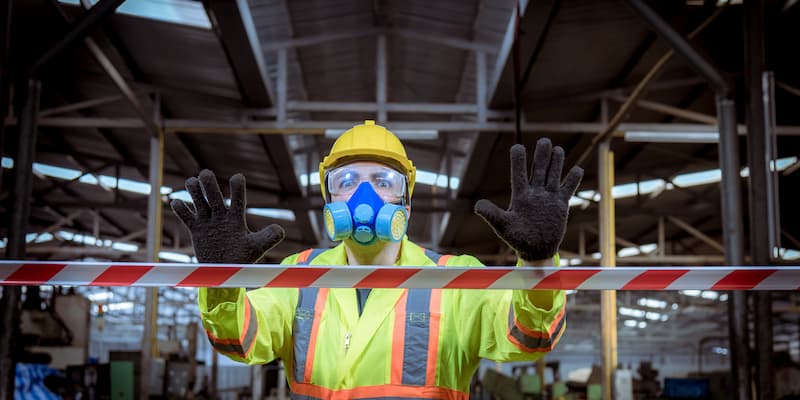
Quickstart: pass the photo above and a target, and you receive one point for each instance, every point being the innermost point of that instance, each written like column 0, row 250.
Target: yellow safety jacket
column 407, row 343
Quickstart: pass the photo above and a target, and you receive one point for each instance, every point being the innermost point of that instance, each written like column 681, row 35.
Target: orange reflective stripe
column 433, row 337
column 319, row 306
column 303, row 256
column 443, row 260
column 535, row 341
column 308, row 391
column 246, row 323
column 247, row 337
column 398, row 339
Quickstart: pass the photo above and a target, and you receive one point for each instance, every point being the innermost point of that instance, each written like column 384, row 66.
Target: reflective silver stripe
column 531, row 342
column 417, row 331
column 241, row 349
column 301, row 332
column 433, row 256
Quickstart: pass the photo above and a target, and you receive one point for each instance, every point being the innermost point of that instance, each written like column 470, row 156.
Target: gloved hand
column 219, row 233
column 536, row 219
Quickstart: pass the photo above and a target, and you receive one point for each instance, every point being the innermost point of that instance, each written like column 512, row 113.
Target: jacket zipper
column 346, row 341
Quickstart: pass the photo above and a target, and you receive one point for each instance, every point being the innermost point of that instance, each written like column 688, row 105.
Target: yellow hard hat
column 368, row 142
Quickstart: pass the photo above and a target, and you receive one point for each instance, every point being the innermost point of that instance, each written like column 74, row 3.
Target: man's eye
column 383, row 183
column 346, row 184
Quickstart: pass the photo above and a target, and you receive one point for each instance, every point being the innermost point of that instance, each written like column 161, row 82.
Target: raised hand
column 536, row 219
column 219, row 233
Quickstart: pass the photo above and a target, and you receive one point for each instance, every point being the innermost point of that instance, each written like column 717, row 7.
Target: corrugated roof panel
column 178, row 56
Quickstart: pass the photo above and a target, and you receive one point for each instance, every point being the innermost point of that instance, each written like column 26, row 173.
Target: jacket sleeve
column 513, row 325
column 253, row 327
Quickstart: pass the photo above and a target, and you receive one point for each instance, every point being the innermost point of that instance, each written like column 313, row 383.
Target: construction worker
column 382, row 343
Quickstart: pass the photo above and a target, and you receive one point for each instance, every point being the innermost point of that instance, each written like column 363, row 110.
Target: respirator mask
column 372, row 211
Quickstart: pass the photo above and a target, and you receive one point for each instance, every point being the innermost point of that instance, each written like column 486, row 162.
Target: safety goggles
column 386, row 181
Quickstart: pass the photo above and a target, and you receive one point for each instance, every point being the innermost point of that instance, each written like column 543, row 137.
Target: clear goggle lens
column 387, row 182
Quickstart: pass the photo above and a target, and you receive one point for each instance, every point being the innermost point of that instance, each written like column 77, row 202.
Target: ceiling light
column 671, row 137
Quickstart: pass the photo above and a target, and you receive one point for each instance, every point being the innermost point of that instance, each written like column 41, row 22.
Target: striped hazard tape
column 266, row 275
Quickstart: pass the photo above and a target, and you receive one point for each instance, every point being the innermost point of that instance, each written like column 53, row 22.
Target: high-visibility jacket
column 407, row 343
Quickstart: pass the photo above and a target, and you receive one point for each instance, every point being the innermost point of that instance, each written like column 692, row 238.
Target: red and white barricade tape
column 267, row 275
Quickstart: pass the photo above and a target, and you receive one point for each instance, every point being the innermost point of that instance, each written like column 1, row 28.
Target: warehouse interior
column 106, row 99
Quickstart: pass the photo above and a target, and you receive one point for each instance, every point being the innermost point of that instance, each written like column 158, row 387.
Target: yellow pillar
column 608, row 298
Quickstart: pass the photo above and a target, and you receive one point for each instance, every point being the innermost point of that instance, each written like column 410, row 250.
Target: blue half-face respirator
column 365, row 217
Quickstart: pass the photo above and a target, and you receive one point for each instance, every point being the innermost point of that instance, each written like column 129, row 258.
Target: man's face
column 387, row 182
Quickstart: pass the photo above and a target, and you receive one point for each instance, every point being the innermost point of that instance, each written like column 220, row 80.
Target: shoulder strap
column 438, row 259
column 307, row 256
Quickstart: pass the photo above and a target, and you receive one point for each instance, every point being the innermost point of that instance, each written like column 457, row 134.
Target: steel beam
column 81, row 105
column 314, row 40
column 84, row 24
column 670, row 110
column 617, row 240
column 696, row 233
column 681, row 46
column 237, row 33
column 670, row 259
column 533, row 20
column 122, row 85
column 676, row 40
column 318, row 127
column 453, row 42
column 482, row 148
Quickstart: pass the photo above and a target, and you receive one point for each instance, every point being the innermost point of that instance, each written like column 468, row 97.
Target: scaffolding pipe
column 733, row 238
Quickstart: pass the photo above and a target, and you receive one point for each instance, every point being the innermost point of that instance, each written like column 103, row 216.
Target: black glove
column 220, row 234
column 536, row 219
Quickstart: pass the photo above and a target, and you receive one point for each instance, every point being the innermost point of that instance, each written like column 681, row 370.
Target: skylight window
column 655, row 186
column 129, row 185
column 652, row 303
column 182, row 12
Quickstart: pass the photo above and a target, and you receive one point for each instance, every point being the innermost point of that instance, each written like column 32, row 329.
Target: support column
column 662, row 250
column 757, row 190
column 381, row 79
column 18, row 226
column 480, row 85
column 283, row 77
column 608, row 298
column 5, row 76
column 154, row 228
column 733, row 237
